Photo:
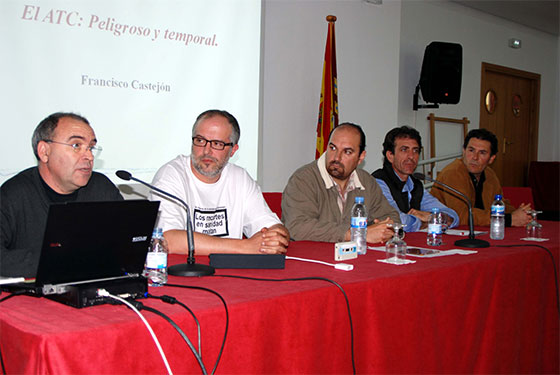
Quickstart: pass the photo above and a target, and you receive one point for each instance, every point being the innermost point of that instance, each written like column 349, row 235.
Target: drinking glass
column 533, row 228
column 395, row 248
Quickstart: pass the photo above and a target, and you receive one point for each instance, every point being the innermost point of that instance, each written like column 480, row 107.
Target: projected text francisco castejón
column 134, row 84
column 71, row 18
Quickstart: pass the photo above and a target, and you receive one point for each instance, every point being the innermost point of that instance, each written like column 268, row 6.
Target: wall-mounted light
column 514, row 43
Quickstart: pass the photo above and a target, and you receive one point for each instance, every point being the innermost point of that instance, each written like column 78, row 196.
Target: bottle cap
column 359, row 200
column 498, row 197
column 435, row 210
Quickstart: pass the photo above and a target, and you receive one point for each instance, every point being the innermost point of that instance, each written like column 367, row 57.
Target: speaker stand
column 415, row 105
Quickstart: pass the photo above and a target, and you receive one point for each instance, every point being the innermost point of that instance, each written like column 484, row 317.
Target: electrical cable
column 104, row 293
column 338, row 266
column 172, row 300
column 553, row 267
column 11, row 295
column 226, row 311
column 306, row 279
column 179, row 330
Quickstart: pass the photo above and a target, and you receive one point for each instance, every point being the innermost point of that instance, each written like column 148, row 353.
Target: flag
column 328, row 105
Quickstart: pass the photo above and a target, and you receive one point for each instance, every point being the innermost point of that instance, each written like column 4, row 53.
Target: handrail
column 439, row 158
column 436, row 159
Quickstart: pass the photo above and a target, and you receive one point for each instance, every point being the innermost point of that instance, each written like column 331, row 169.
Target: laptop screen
column 94, row 240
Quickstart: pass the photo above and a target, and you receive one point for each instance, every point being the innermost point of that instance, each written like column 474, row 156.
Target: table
column 490, row 312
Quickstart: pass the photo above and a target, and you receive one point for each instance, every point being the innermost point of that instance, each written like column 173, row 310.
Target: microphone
column 470, row 242
column 185, row 269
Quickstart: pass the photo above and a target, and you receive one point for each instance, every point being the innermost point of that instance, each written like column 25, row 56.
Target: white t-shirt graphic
column 231, row 207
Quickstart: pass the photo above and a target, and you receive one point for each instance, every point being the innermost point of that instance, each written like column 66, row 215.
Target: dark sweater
column 395, row 185
column 24, row 206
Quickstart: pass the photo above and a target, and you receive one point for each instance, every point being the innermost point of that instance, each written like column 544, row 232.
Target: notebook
column 87, row 242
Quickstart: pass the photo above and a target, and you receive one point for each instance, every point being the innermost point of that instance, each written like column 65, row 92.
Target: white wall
column 379, row 56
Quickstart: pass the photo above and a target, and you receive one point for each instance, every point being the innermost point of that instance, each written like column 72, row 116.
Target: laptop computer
column 87, row 244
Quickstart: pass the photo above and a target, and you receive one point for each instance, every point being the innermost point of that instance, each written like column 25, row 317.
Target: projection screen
column 139, row 70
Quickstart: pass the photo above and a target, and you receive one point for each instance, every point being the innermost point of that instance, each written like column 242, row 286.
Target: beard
column 336, row 170
column 407, row 167
column 209, row 170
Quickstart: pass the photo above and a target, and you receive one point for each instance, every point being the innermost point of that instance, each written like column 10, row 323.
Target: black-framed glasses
column 199, row 141
column 79, row 147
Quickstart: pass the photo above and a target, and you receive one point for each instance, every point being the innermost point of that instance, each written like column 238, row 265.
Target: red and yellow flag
column 328, row 106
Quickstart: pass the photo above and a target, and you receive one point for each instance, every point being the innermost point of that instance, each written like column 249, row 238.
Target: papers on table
column 534, row 239
column 457, row 232
column 399, row 262
column 422, row 252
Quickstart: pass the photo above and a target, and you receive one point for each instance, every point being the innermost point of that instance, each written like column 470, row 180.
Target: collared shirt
column 352, row 184
column 478, row 185
column 410, row 222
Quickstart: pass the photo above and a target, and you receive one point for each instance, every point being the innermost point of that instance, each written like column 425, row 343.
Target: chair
column 544, row 179
column 517, row 195
column 274, row 201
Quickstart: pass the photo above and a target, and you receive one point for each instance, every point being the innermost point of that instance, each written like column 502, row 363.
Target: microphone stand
column 184, row 269
column 470, row 242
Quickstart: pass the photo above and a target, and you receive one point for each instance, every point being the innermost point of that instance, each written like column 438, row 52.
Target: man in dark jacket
column 401, row 151
column 64, row 145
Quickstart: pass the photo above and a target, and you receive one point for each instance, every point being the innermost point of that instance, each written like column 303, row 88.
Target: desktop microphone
column 468, row 242
column 185, row 269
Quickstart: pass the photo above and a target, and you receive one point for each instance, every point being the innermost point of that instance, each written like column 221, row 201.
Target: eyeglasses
column 199, row 141
column 79, row 148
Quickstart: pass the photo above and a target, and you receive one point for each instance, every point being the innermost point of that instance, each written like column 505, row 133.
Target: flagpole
column 328, row 106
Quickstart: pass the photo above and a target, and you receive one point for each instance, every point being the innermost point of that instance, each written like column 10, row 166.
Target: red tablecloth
column 490, row 312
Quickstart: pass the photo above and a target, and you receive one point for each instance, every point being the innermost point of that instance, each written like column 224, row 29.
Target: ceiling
column 542, row 15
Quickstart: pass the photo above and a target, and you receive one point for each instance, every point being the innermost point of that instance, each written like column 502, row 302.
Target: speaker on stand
column 440, row 78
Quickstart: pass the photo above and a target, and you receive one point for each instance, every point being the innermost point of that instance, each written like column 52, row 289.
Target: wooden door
column 510, row 109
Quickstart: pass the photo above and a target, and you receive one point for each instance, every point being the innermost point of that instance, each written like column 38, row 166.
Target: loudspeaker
column 440, row 79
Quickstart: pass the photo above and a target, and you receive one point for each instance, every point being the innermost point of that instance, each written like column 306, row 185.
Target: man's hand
column 520, row 217
column 423, row 216
column 447, row 220
column 273, row 240
column 380, row 231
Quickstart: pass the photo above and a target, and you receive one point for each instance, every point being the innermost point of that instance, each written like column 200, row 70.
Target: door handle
column 506, row 143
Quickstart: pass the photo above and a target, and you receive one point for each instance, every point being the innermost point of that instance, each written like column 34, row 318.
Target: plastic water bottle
column 358, row 227
column 156, row 260
column 497, row 218
column 435, row 228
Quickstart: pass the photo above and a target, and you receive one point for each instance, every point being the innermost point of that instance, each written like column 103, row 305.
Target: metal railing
column 433, row 162
column 439, row 158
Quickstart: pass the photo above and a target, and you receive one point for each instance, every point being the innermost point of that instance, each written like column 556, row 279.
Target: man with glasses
column 224, row 201
column 65, row 146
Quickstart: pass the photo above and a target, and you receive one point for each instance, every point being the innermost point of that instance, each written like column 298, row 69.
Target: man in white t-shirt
column 225, row 202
